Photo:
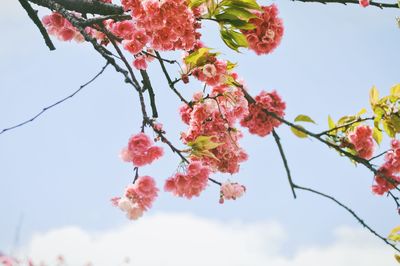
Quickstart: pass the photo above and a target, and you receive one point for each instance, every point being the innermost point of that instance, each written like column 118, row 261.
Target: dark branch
column 348, row 210
column 99, row 20
column 84, row 6
column 56, row 103
column 285, row 163
column 33, row 16
column 170, row 82
column 345, row 2
column 147, row 85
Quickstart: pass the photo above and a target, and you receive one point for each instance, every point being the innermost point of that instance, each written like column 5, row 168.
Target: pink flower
column 140, row 150
column 363, row 142
column 268, row 32
column 189, row 184
column 140, row 62
column 231, row 191
column 58, row 26
column 138, row 197
column 386, row 179
column 364, row 3
column 260, row 123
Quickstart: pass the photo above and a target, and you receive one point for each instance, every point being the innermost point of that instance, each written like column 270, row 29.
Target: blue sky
column 62, row 169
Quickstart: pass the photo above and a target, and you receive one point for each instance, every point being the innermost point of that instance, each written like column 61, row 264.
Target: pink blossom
column 260, row 123
column 140, row 62
column 140, row 150
column 386, row 179
column 364, row 3
column 231, row 191
column 189, row 184
column 268, row 32
column 362, row 140
column 138, row 197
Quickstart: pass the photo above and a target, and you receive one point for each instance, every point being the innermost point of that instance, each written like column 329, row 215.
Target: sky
column 58, row 173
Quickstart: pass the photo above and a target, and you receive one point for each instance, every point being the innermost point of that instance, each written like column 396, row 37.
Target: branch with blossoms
column 139, row 30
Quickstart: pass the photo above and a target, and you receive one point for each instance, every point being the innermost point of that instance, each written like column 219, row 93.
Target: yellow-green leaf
column 299, row 133
column 203, row 143
column 397, row 256
column 395, row 234
column 362, row 111
column 395, row 90
column 377, row 135
column 304, row 118
column 373, row 96
column 331, row 123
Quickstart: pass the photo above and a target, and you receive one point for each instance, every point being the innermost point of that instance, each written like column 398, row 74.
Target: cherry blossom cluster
column 268, row 31
column 361, row 139
column 215, row 117
column 231, row 191
column 137, row 198
column 190, row 183
column 386, row 179
column 58, row 26
column 260, row 123
column 141, row 151
column 167, row 24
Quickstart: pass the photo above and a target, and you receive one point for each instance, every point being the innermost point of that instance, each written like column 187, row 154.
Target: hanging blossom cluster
column 361, row 139
column 231, row 191
column 268, row 31
column 60, row 27
column 138, row 197
column 190, row 183
column 141, row 151
column 386, row 179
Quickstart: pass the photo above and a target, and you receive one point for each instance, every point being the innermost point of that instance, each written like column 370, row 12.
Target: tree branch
column 285, row 163
column 56, row 103
column 345, row 2
column 33, row 16
column 147, row 85
column 170, row 82
column 348, row 210
column 84, row 6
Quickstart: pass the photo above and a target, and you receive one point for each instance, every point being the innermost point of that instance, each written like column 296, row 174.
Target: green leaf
column 389, row 129
column 197, row 57
column 395, row 91
column 235, row 13
column 304, row 118
column 203, row 143
column 233, row 39
column 299, row 133
column 230, row 65
column 377, row 135
column 395, row 234
column 373, row 96
column 347, row 119
column 331, row 123
column 196, row 3
column 362, row 111
column 249, row 4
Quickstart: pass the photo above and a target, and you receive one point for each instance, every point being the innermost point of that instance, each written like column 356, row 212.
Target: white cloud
column 185, row 240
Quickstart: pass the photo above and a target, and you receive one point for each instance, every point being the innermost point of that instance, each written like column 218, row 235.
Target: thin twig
column 99, row 20
column 56, row 103
column 33, row 16
column 84, row 6
column 359, row 120
column 345, row 2
column 284, row 159
column 348, row 210
column 170, row 82
column 147, row 85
